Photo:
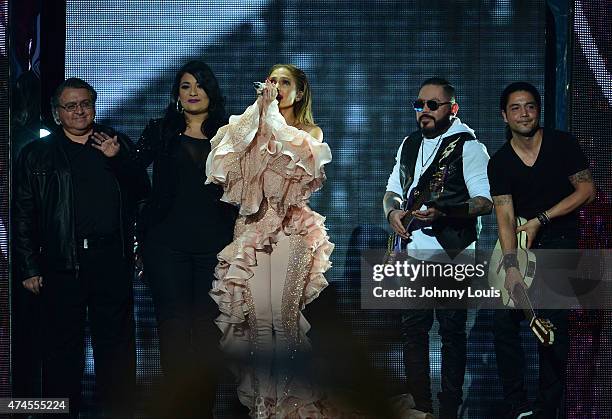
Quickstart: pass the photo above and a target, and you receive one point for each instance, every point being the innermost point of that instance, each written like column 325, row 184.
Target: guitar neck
column 524, row 303
column 418, row 203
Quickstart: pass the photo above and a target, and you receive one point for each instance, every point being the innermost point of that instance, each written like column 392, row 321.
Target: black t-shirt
column 96, row 191
column 197, row 221
column 538, row 188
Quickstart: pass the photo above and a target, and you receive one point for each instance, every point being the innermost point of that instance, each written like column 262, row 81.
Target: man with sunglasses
column 447, row 225
column 75, row 196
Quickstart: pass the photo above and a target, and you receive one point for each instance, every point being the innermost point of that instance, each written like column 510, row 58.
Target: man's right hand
column 33, row 284
column 513, row 278
column 395, row 219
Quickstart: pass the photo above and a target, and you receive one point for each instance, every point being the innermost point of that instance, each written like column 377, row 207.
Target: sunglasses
column 419, row 105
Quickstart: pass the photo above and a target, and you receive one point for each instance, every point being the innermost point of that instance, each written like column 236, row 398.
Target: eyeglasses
column 419, row 105
column 72, row 107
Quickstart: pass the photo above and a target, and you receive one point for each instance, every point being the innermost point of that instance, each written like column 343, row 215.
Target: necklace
column 423, row 164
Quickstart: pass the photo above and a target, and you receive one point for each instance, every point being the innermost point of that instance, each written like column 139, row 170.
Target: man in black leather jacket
column 75, row 197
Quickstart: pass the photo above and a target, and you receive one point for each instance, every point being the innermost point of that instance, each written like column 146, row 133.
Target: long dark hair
column 174, row 121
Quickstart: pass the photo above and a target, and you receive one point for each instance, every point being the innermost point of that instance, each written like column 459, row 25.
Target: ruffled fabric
column 310, row 224
column 282, row 163
column 320, row 409
column 270, row 170
column 236, row 261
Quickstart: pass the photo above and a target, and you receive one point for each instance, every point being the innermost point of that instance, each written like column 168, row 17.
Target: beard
column 433, row 130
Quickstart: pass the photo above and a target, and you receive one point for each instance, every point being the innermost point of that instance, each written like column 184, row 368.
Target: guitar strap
column 408, row 158
column 449, row 146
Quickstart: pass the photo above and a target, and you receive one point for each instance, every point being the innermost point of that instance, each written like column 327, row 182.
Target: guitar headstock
column 544, row 330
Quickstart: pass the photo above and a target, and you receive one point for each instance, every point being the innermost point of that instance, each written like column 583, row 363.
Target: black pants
column 102, row 292
column 511, row 361
column 188, row 336
column 553, row 359
column 416, row 325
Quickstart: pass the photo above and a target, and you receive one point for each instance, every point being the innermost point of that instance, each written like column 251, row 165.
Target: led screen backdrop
column 365, row 60
column 590, row 394
column 5, row 384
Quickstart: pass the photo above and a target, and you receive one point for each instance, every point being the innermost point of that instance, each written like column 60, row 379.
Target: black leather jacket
column 43, row 209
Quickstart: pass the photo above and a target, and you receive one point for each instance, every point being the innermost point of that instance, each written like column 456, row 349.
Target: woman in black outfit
column 183, row 227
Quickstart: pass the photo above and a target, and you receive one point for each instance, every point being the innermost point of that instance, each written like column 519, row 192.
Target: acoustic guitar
column 543, row 329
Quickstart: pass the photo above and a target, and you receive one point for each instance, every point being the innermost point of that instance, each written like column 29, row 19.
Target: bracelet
column 510, row 261
column 543, row 218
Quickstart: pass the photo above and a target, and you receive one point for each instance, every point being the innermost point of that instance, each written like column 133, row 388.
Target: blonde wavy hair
column 302, row 108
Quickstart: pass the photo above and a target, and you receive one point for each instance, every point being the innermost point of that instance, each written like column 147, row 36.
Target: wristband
column 510, row 261
column 543, row 218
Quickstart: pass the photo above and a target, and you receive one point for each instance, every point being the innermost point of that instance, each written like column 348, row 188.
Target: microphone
column 259, row 86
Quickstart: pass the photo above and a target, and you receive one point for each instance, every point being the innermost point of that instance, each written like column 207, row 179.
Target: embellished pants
column 275, row 358
column 270, row 341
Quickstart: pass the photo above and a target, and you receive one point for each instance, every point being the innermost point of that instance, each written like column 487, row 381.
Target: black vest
column 454, row 234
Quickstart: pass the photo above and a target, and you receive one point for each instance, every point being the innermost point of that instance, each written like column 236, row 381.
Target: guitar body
column 415, row 202
column 418, row 198
column 527, row 265
column 543, row 329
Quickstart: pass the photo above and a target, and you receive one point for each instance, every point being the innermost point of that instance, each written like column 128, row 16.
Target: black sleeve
column 574, row 159
column 134, row 180
column 145, row 152
column 26, row 232
column 129, row 171
column 500, row 184
column 145, row 147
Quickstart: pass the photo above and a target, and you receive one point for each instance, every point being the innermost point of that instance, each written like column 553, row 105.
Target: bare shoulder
column 313, row 130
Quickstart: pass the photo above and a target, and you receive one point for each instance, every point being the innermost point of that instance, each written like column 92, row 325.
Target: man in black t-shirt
column 542, row 176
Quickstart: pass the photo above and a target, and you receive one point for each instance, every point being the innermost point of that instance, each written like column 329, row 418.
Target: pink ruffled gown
column 275, row 265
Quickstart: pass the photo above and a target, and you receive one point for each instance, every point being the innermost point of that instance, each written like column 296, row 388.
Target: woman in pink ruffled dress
column 270, row 160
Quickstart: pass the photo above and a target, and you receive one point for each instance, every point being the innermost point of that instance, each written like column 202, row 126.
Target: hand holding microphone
column 266, row 90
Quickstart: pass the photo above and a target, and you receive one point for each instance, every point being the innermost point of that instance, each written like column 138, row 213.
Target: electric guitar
column 415, row 201
column 543, row 329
